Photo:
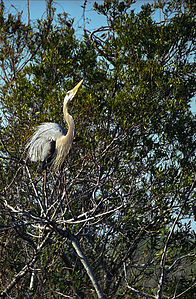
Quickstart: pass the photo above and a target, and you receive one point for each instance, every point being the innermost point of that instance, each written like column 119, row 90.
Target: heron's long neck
column 64, row 143
column 70, row 122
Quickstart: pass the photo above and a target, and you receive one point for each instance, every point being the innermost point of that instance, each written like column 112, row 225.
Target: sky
column 75, row 10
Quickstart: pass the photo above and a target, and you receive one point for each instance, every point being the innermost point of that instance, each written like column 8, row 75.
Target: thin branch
column 164, row 254
column 179, row 259
column 36, row 194
column 83, row 14
column 12, row 181
column 100, row 29
column 28, row 9
column 5, row 148
column 32, row 280
column 184, row 292
column 71, row 221
column 11, row 208
column 133, row 289
column 97, row 43
column 65, row 296
column 25, row 269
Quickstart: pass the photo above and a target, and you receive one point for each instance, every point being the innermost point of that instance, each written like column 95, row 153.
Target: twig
column 65, row 296
column 36, row 194
column 11, row 208
column 189, row 288
column 28, row 9
column 25, row 268
column 100, row 29
column 8, row 186
column 164, row 254
column 179, row 259
column 32, row 280
column 71, row 221
column 83, row 14
column 133, row 289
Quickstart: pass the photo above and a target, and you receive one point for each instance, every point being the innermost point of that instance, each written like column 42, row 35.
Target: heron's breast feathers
column 63, row 146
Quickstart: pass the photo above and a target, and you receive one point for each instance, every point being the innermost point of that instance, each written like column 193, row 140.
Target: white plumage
column 50, row 142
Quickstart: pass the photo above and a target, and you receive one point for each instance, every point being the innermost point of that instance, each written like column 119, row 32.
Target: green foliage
column 128, row 183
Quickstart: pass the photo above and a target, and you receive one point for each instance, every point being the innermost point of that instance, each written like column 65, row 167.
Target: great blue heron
column 50, row 143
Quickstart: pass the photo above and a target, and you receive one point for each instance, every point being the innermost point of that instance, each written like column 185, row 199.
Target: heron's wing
column 41, row 149
column 42, row 143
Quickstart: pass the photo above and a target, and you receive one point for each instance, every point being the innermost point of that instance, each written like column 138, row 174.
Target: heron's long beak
column 70, row 94
column 75, row 89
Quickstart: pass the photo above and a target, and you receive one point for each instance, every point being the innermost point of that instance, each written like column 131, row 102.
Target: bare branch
column 164, row 254
column 86, row 265
column 184, row 292
column 36, row 194
column 25, row 268
column 133, row 289
column 71, row 221
column 83, row 14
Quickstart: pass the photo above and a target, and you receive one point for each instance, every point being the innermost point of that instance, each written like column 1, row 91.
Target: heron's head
column 71, row 93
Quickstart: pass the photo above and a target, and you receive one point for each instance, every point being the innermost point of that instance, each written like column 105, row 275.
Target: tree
column 119, row 203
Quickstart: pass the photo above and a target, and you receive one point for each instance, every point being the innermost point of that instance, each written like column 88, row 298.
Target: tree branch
column 133, row 289
column 25, row 268
column 86, row 265
column 164, row 254
column 66, row 233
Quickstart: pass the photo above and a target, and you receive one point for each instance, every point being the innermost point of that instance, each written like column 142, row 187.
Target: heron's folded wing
column 42, row 143
column 41, row 148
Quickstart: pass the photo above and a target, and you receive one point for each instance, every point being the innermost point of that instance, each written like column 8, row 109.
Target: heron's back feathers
column 42, row 144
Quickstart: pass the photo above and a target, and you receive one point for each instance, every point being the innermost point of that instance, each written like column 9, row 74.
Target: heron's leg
column 44, row 191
